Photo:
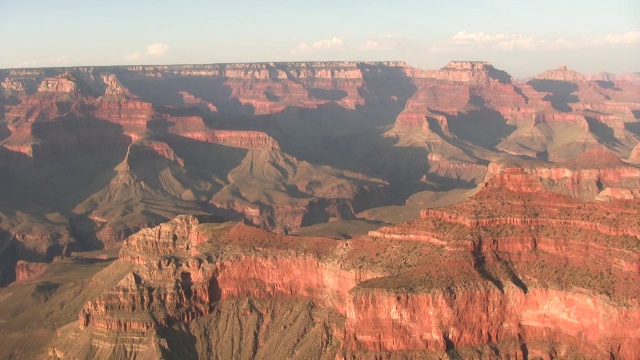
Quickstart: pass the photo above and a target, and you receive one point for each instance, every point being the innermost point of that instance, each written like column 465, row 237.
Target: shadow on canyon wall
column 561, row 93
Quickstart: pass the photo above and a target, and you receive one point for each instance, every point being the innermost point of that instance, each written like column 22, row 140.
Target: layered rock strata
column 512, row 272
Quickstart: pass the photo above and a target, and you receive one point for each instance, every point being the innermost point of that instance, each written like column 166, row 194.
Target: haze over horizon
column 520, row 37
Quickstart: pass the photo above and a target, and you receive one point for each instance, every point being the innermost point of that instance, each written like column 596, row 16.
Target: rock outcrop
column 119, row 106
column 561, row 74
column 28, row 270
column 595, row 174
column 514, row 271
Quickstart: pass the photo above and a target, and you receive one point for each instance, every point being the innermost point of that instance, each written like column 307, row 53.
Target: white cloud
column 151, row 50
column 501, row 41
column 525, row 42
column 387, row 42
column 464, row 37
column 133, row 56
column 325, row 44
column 157, row 49
column 630, row 37
column 520, row 42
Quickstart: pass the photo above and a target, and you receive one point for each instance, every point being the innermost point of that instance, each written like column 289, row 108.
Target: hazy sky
column 522, row 37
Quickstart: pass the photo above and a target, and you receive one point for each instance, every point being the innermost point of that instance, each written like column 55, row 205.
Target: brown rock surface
column 635, row 155
column 28, row 270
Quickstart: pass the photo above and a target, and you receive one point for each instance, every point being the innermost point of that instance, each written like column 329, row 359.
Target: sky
column 523, row 37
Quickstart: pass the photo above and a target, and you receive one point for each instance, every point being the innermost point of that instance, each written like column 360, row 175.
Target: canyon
column 503, row 278
column 323, row 209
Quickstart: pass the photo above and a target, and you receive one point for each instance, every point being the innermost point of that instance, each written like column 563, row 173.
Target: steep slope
column 150, row 186
column 528, row 273
column 276, row 191
column 118, row 105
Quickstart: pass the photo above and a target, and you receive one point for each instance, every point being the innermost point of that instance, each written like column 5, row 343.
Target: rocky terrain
column 110, row 150
column 90, row 156
column 512, row 272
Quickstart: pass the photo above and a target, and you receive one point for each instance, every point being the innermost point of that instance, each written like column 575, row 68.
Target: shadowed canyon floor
column 507, row 208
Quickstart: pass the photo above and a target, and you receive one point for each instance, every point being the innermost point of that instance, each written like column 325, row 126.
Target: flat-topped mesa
column 263, row 71
column 178, row 237
column 561, row 74
column 331, row 70
column 270, row 70
column 56, row 96
column 514, row 179
column 275, row 86
column 468, row 65
column 465, row 71
column 244, row 139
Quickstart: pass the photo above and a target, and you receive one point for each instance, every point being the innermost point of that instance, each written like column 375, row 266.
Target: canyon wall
column 511, row 273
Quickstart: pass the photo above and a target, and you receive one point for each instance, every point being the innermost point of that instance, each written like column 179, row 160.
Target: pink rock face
column 193, row 127
column 270, row 88
column 266, row 278
column 561, row 74
column 191, row 100
column 514, row 179
column 593, row 173
column 60, row 84
column 513, row 267
column 462, row 319
column 119, row 106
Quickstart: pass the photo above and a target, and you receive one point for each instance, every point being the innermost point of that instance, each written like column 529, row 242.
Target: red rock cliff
column 497, row 270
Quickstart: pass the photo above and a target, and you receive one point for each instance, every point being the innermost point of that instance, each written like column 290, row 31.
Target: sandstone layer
column 512, row 272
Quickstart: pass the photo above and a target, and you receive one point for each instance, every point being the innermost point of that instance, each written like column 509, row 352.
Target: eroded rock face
column 516, row 269
column 561, row 74
column 119, row 106
column 28, row 270
column 194, row 128
column 289, row 145
column 595, row 174
column 635, row 155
